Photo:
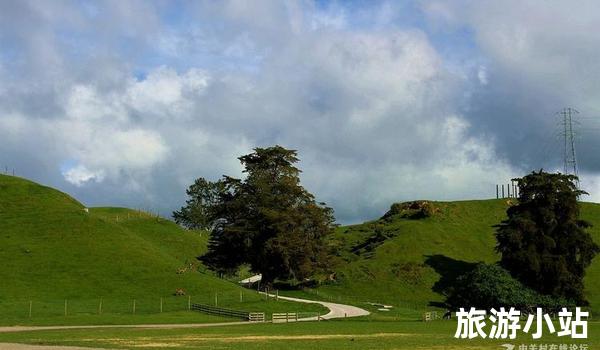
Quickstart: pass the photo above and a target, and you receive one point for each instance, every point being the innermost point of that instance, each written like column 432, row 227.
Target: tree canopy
column 202, row 196
column 543, row 242
column 267, row 220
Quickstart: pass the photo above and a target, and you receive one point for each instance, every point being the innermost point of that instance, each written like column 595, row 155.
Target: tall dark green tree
column 268, row 220
column 202, row 196
column 543, row 242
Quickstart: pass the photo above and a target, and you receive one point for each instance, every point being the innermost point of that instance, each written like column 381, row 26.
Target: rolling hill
column 408, row 262
column 54, row 251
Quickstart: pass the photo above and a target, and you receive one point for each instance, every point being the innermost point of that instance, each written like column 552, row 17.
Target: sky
column 125, row 103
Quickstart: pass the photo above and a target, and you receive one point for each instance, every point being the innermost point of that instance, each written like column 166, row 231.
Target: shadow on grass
column 449, row 270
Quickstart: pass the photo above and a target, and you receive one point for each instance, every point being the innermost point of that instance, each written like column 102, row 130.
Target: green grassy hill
column 408, row 262
column 52, row 250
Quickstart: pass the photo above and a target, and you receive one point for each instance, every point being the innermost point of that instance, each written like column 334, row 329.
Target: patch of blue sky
column 455, row 44
column 68, row 164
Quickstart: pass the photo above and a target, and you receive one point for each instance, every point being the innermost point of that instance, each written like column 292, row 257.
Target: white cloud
column 164, row 91
column 540, row 56
column 374, row 113
column 79, row 175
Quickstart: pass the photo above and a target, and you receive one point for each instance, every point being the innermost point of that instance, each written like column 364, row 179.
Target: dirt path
column 335, row 310
column 6, row 346
column 144, row 326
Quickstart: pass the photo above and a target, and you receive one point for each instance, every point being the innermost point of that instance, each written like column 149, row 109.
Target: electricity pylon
column 569, row 155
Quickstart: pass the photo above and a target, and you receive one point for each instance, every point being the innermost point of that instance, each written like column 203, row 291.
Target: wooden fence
column 219, row 311
column 430, row 316
column 256, row 317
column 284, row 317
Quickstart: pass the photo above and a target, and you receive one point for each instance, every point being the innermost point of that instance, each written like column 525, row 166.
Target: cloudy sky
column 127, row 102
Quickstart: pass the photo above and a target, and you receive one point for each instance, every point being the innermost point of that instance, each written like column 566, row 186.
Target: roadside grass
column 147, row 311
column 345, row 334
column 172, row 317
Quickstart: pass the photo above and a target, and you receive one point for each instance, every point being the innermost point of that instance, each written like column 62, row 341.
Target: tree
column 543, row 242
column 268, row 220
column 203, row 195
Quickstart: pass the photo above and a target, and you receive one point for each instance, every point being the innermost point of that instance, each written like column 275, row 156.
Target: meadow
column 64, row 264
column 345, row 334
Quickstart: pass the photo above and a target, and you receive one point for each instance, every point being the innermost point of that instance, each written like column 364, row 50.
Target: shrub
column 491, row 286
column 411, row 210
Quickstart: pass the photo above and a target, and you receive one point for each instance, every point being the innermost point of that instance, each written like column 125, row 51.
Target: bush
column 411, row 210
column 491, row 286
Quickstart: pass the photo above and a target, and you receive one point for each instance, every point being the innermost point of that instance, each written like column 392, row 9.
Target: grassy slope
column 52, row 250
column 404, row 270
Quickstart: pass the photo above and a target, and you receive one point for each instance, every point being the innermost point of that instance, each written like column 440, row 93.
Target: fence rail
column 256, row 317
column 219, row 311
column 430, row 316
column 284, row 317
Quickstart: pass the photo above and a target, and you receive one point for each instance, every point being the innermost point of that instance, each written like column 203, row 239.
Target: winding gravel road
column 5, row 346
column 335, row 311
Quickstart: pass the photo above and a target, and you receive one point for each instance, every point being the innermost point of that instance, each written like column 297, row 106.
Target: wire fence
column 50, row 308
column 36, row 307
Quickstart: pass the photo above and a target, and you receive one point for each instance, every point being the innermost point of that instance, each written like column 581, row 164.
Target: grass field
column 54, row 252
column 67, row 266
column 350, row 334
column 417, row 261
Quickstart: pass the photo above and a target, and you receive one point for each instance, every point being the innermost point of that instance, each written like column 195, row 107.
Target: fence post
column 66, row 307
column 100, row 307
column 277, row 294
column 189, row 302
column 241, row 296
column 161, row 305
column 318, row 315
column 30, row 307
column 134, row 306
column 216, row 299
column 497, row 193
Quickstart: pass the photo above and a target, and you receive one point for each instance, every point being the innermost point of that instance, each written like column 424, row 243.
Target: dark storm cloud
column 540, row 56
